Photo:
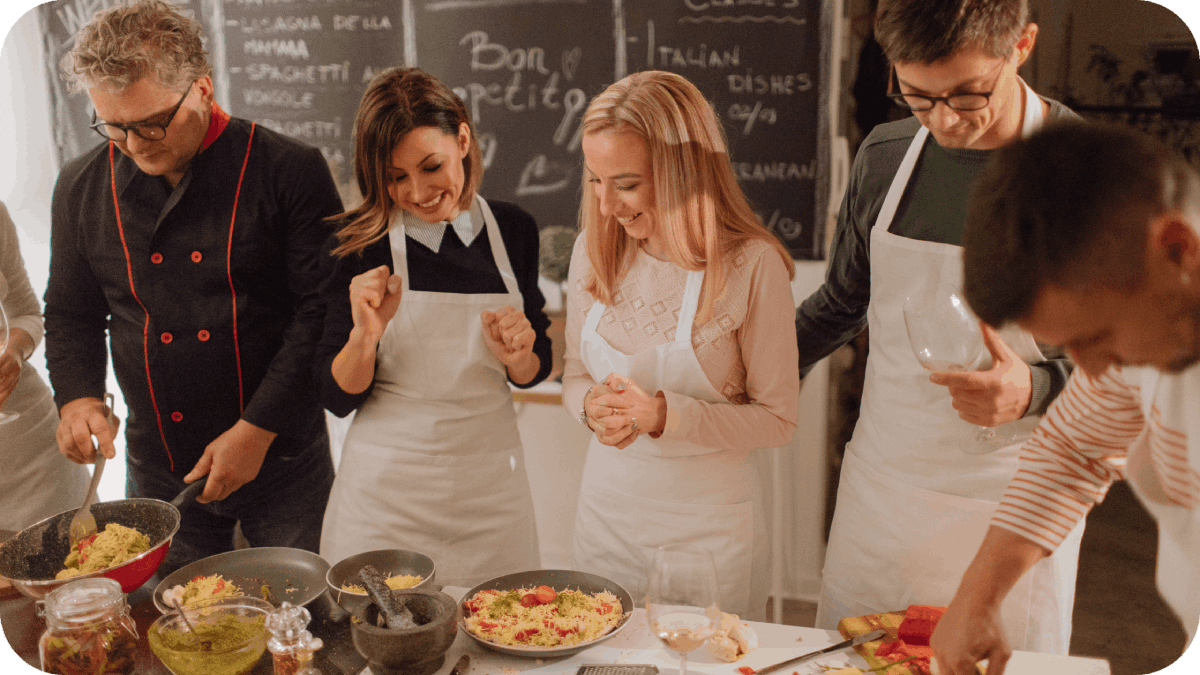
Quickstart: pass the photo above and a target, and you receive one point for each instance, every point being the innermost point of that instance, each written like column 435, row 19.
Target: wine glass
column 946, row 337
column 5, row 417
column 681, row 603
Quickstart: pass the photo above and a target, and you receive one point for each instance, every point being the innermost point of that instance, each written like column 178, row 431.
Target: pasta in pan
column 541, row 617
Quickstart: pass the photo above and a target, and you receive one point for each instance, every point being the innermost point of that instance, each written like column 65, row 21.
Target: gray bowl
column 411, row 651
column 389, row 562
column 559, row 580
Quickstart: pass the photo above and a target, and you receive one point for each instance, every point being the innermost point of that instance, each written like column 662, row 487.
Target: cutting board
column 889, row 621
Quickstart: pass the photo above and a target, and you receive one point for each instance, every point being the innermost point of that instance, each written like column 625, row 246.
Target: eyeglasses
column 151, row 131
column 923, row 103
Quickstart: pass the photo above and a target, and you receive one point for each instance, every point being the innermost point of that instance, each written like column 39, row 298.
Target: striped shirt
column 1080, row 448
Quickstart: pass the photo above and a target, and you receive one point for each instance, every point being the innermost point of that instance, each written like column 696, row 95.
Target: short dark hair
column 927, row 31
column 1068, row 206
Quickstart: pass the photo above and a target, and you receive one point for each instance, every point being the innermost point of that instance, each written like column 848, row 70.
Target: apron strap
column 593, row 316
column 691, row 302
column 888, row 212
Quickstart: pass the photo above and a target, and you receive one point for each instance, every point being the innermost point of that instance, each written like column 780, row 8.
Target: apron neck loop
column 691, row 300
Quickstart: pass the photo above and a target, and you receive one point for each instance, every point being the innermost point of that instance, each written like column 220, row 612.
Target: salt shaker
column 291, row 645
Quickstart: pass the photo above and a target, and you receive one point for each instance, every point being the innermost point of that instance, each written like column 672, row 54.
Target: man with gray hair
column 912, row 506
column 1088, row 236
column 193, row 238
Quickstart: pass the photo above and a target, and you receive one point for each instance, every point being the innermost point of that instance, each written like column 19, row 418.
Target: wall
column 556, row 445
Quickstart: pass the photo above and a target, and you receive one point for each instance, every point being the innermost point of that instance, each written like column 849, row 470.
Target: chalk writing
column 486, row 55
column 789, row 229
column 698, row 57
column 772, row 171
column 542, row 176
column 278, row 98
column 329, row 73
column 296, row 49
column 278, row 24
column 306, row 130
column 740, row 112
column 777, row 85
column 356, row 22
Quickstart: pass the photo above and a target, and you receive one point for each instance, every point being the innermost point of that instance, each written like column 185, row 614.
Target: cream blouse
column 747, row 349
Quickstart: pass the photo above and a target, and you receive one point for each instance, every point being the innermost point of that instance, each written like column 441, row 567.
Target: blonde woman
column 432, row 310
column 681, row 352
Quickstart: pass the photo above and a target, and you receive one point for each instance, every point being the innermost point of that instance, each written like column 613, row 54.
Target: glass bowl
column 234, row 629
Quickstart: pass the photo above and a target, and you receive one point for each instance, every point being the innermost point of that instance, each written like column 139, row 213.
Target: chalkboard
column 527, row 70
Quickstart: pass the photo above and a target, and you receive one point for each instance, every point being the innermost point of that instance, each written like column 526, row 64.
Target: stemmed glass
column 946, row 337
column 681, row 604
column 5, row 417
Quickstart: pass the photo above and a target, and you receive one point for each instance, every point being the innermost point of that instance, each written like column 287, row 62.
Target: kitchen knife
column 460, row 667
column 853, row 642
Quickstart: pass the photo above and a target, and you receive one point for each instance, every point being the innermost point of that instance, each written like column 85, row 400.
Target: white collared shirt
column 467, row 225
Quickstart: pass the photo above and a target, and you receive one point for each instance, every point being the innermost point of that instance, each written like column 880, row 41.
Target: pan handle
column 189, row 494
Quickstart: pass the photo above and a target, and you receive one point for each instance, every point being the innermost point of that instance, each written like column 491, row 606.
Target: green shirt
column 933, row 209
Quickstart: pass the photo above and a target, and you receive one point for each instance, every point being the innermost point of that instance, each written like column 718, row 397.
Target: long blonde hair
column 397, row 101
column 699, row 205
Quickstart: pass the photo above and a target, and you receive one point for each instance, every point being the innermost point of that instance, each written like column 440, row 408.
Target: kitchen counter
column 633, row 644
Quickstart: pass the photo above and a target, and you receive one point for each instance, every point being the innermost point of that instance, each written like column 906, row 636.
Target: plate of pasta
column 545, row 613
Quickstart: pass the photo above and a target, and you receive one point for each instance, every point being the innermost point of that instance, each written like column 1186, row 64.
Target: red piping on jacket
column 112, row 170
column 220, row 119
column 229, row 271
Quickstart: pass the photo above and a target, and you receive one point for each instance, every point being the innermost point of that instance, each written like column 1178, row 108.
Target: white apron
column 912, row 507
column 656, row 492
column 1178, row 562
column 433, row 460
column 36, row 481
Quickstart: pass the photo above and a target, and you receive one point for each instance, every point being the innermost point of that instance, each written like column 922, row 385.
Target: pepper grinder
column 291, row 645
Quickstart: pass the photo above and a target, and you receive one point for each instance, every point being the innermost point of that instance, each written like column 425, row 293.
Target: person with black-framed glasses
column 192, row 239
column 147, row 129
column 912, row 506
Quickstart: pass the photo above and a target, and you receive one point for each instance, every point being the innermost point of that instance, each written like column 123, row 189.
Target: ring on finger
column 634, row 425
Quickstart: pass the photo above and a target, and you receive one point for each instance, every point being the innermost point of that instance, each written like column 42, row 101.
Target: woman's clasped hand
column 618, row 410
column 374, row 299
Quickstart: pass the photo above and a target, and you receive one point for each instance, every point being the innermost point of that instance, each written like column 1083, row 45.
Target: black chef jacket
column 163, row 291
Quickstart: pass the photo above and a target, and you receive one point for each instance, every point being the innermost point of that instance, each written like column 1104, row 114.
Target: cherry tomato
column 529, row 600
column 545, row 594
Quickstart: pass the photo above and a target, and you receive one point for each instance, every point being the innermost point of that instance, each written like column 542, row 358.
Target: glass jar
column 88, row 630
column 291, row 645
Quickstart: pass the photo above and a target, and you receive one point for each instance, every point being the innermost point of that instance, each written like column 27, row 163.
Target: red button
column 196, row 257
column 203, row 335
column 166, row 338
column 156, row 258
column 177, row 416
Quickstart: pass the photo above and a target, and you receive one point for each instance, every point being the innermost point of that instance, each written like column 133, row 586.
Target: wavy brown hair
column 397, row 101
column 124, row 44
column 699, row 204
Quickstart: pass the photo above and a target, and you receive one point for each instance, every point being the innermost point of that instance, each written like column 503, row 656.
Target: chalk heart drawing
column 487, row 147
column 570, row 62
column 541, row 177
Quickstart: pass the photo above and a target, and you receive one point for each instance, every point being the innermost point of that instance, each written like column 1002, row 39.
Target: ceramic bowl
column 389, row 562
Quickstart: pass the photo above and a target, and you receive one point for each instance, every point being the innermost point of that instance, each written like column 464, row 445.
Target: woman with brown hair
column 443, row 312
column 681, row 353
